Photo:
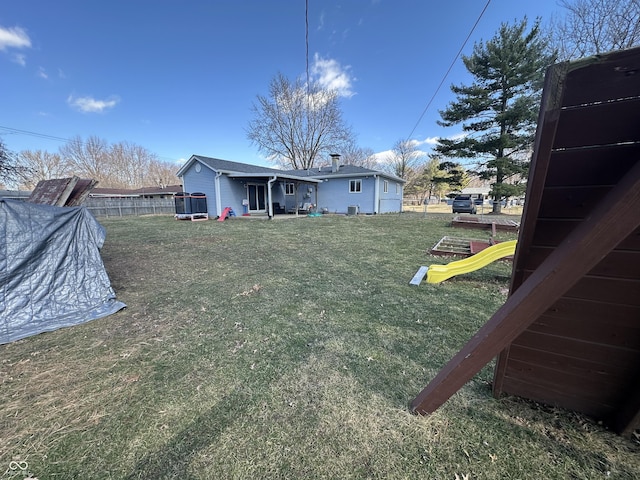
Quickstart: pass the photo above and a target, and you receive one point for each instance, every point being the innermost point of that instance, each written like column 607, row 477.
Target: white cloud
column 42, row 73
column 321, row 21
column 14, row 37
column 382, row 158
column 434, row 140
column 332, row 76
column 428, row 141
column 20, row 59
column 458, row 136
column 92, row 105
column 387, row 156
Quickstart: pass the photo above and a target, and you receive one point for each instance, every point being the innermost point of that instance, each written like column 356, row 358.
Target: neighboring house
column 254, row 190
column 477, row 192
column 15, row 194
column 166, row 191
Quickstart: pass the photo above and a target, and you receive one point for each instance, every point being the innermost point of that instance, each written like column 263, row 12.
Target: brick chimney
column 335, row 162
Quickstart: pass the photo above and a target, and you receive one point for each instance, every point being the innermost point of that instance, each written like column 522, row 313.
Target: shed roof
column 569, row 333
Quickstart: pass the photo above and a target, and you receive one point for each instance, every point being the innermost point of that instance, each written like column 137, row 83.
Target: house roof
column 227, row 166
column 129, row 192
column 15, row 194
column 238, row 169
column 344, row 171
column 476, row 190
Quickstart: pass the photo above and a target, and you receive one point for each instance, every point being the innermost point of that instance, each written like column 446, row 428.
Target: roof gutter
column 276, row 175
column 361, row 174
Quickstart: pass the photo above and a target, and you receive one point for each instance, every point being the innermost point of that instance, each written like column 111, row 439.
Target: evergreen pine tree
column 499, row 110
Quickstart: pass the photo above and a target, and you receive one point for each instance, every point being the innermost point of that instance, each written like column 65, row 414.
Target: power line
column 306, row 39
column 449, row 69
column 34, row 134
column 61, row 139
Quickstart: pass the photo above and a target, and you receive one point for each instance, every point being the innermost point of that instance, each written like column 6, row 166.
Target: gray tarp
column 51, row 271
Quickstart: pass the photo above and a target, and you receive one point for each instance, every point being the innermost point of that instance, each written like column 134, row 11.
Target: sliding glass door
column 257, row 195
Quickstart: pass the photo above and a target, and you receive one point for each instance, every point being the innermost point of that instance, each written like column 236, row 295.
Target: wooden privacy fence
column 120, row 207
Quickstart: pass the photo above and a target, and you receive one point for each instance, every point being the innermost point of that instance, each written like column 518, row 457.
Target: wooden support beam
column 615, row 218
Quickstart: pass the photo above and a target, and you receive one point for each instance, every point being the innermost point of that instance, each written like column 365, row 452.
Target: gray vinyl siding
column 303, row 195
column 233, row 191
column 334, row 195
column 231, row 194
column 202, row 181
column 391, row 201
column 278, row 194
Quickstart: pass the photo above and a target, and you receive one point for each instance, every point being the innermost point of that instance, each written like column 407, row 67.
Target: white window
column 289, row 189
column 355, row 186
column 385, row 187
column 397, row 188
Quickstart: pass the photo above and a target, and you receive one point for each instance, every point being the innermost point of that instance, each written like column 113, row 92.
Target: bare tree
column 12, row 172
column 596, row 26
column 365, row 157
column 404, row 159
column 161, row 174
column 423, row 185
column 121, row 165
column 43, row 165
column 88, row 159
column 130, row 165
column 298, row 124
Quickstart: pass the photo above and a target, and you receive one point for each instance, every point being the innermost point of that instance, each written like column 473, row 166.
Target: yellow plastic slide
column 439, row 273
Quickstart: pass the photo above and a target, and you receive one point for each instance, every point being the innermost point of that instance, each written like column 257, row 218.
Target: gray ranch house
column 254, row 190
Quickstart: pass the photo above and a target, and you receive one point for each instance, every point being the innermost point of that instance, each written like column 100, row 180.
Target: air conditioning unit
column 352, row 210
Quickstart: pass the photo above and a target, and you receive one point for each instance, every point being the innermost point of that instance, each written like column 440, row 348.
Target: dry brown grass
column 443, row 208
column 281, row 350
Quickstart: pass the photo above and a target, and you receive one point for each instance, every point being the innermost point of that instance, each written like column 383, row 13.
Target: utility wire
column 306, row 39
column 60, row 139
column 34, row 134
column 449, row 70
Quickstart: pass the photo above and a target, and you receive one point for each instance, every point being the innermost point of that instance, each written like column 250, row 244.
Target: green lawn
column 281, row 349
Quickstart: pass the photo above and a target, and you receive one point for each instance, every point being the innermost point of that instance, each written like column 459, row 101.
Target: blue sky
column 179, row 77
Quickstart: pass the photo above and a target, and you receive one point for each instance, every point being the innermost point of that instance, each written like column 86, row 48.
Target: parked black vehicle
column 464, row 204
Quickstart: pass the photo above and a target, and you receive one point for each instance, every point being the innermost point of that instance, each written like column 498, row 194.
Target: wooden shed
column 569, row 333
